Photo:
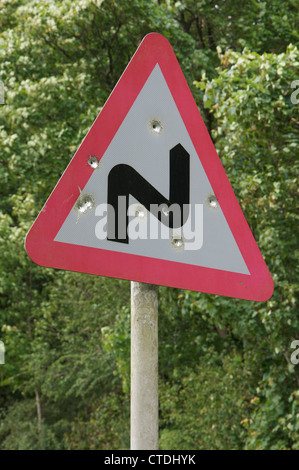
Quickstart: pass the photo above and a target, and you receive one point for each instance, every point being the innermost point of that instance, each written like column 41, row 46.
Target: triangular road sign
column 149, row 146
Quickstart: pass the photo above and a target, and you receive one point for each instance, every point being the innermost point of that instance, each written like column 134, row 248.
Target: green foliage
column 260, row 25
column 226, row 381
column 116, row 342
column 256, row 137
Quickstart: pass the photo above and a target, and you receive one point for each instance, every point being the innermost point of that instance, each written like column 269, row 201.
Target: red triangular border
column 44, row 251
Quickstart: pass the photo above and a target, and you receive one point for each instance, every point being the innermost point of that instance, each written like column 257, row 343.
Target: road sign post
column 147, row 151
column 144, row 366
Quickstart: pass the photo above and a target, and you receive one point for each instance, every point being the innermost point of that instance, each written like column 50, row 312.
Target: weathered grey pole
column 144, row 366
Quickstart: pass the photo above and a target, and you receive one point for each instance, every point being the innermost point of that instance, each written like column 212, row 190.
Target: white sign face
column 153, row 127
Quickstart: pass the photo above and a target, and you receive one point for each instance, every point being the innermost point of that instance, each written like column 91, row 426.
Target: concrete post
column 144, row 366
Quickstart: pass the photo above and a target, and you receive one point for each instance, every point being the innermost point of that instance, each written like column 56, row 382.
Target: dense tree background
column 226, row 379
